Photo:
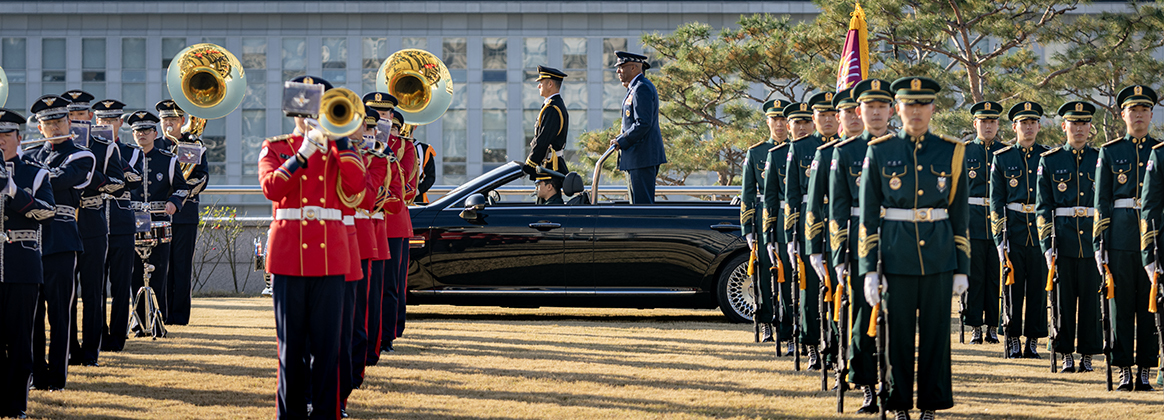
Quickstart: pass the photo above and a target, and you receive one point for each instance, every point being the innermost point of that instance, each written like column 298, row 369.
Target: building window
column 294, row 61
column 254, row 129
column 254, row 113
column 534, row 53
column 573, row 53
column 15, row 62
column 418, row 43
column 494, row 60
column 494, row 101
column 375, row 52
column 53, row 65
column 612, row 91
column 455, row 54
column 214, row 139
column 170, row 48
column 133, row 72
column 334, row 54
column 93, row 66
column 454, row 132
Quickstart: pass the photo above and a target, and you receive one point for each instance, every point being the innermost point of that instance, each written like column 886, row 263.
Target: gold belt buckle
column 1137, row 201
column 309, row 214
column 1080, row 212
column 921, row 214
column 1028, row 208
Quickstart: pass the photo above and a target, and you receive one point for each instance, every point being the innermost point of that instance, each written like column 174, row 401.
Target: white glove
column 872, row 294
column 841, row 273
column 961, row 283
column 792, row 251
column 751, row 237
column 817, row 261
column 772, row 254
column 9, row 188
column 308, row 147
column 1050, row 257
column 1151, row 270
column 1002, row 252
column 1099, row 258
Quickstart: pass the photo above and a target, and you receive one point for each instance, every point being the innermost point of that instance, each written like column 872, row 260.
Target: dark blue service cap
column 550, row 73
column 628, row 57
column 371, row 115
column 78, row 99
column 10, row 120
column 143, row 120
column 50, row 107
column 109, row 108
column 397, row 118
column 381, row 101
column 312, row 80
column 168, row 109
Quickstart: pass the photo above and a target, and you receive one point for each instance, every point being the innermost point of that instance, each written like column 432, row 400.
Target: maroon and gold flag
column 854, row 66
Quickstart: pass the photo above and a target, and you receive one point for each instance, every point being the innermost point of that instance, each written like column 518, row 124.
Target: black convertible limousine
column 475, row 246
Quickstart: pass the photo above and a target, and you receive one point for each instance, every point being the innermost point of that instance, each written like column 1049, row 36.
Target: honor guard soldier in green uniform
column 913, row 195
column 798, row 117
column 800, row 231
column 875, row 109
column 1012, row 216
column 1119, row 175
column 1066, row 194
column 752, row 205
column 980, row 304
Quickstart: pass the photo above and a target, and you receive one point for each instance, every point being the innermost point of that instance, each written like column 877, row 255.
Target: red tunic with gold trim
column 375, row 169
column 389, row 201
column 308, row 237
column 403, row 174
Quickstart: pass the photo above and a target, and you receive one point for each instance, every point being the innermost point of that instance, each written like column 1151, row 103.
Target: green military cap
column 822, row 101
column 774, row 108
column 844, row 100
column 1136, row 95
column 915, row 89
column 986, row 110
column 1077, row 111
column 1024, row 111
column 872, row 90
column 797, row 111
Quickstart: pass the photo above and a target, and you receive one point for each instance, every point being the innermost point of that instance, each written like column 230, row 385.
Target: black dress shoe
column 1144, row 376
column 991, row 336
column 91, row 363
column 386, row 347
column 1085, row 364
column 1126, row 379
column 813, row 359
column 344, row 413
column 1068, row 364
column 869, row 406
column 1014, row 348
column 1031, row 349
column 766, row 333
column 976, row 335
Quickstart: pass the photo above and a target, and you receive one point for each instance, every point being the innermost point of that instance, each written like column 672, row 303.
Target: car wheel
column 735, row 290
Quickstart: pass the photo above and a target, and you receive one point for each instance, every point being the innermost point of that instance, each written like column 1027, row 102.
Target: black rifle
column 1053, row 298
column 795, row 308
column 880, row 318
column 1007, row 299
column 754, row 273
column 1155, row 295
column 842, row 335
column 1105, row 311
column 962, row 318
column 825, row 331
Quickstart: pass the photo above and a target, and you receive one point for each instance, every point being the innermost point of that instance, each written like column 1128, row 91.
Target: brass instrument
column 340, row 112
column 35, row 142
column 420, row 81
column 207, row 82
column 3, row 86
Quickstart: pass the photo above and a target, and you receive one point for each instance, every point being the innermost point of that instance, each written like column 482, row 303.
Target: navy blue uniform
column 641, row 142
column 30, row 207
column 70, row 171
column 93, row 224
column 120, row 257
column 162, row 182
column 182, row 247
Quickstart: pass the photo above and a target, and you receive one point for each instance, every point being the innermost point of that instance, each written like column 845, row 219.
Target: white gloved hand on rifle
column 872, row 288
column 961, row 283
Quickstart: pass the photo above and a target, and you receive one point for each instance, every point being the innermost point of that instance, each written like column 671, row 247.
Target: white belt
column 93, row 202
column 152, row 206
column 69, row 211
column 378, row 216
column 914, row 215
column 24, row 235
column 854, row 211
column 349, row 220
column 360, row 214
column 1127, row 203
column 308, row 213
column 1021, row 208
column 978, row 201
column 1075, row 211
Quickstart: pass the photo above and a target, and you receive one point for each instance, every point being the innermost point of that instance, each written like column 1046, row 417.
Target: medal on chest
column 1013, row 183
column 973, row 174
column 1123, row 178
column 1062, row 187
column 941, row 184
column 895, row 183
column 159, row 176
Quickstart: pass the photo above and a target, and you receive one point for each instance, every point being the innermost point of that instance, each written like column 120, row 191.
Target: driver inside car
column 548, row 189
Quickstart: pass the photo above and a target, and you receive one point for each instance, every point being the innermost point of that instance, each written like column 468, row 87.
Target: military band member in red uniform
column 399, row 230
column 384, row 104
column 28, row 204
column 308, row 259
column 371, row 239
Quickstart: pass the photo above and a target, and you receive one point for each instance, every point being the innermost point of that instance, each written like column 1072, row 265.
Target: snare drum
column 161, row 231
column 145, row 238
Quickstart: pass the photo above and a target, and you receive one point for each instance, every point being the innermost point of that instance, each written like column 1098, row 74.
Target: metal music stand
column 153, row 321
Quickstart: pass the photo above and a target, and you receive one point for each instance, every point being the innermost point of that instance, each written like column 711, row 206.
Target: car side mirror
column 473, row 204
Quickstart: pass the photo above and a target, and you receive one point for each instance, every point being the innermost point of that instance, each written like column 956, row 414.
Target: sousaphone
column 207, row 82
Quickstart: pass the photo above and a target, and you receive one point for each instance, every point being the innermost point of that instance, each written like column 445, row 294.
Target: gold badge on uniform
column 1013, row 182
column 1123, row 178
column 941, row 184
column 973, row 174
column 894, row 183
column 1062, row 187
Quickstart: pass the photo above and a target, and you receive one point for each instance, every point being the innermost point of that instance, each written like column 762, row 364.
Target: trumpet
column 28, row 143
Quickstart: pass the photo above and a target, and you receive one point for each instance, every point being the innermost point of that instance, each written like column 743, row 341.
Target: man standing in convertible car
column 640, row 140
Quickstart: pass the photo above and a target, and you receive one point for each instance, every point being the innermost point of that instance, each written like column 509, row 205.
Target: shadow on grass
column 716, row 318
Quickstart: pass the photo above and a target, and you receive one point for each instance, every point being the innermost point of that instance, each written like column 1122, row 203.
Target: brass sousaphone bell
column 207, row 82
column 420, row 82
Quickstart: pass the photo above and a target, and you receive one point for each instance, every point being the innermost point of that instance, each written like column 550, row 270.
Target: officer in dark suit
column 94, row 228
column 70, row 171
column 1066, row 194
column 913, row 233
column 162, row 194
column 553, row 125
column 778, row 215
column 981, row 299
column 806, row 226
column 185, row 221
column 1016, row 238
column 753, row 213
column 28, row 204
column 875, row 109
column 1121, row 169
column 640, row 140
column 120, row 258
column 548, row 189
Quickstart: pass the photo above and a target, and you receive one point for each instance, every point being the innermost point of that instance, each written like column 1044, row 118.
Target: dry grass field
column 550, row 363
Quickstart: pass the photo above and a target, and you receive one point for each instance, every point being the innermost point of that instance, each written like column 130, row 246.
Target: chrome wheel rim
column 741, row 293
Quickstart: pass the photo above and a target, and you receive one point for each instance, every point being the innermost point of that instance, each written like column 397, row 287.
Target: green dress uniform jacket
column 978, row 158
column 1012, row 216
column 801, row 158
column 1066, row 192
column 775, row 170
column 1119, row 174
column 752, row 216
column 981, row 299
